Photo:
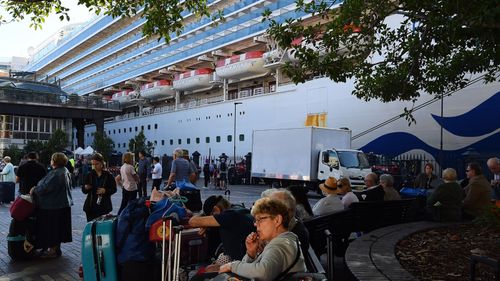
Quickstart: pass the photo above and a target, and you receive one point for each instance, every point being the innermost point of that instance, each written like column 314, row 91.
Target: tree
column 14, row 152
column 162, row 17
column 34, row 145
column 103, row 144
column 57, row 143
column 435, row 48
column 139, row 143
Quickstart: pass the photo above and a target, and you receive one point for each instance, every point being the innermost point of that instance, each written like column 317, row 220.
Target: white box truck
column 306, row 156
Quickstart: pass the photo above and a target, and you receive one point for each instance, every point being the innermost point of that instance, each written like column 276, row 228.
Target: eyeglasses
column 259, row 220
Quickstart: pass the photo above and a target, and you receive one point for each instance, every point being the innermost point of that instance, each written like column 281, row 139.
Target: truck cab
column 339, row 163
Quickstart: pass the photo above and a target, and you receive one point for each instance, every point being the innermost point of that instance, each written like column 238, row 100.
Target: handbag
column 22, row 208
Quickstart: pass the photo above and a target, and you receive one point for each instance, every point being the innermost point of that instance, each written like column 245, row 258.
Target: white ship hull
column 289, row 107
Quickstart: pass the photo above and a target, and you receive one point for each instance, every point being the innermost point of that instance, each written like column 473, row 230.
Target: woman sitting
column 445, row 203
column 272, row 251
column 345, row 192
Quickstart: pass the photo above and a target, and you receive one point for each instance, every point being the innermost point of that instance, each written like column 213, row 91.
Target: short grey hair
column 283, row 195
column 449, row 174
column 493, row 160
column 178, row 152
column 6, row 159
column 388, row 179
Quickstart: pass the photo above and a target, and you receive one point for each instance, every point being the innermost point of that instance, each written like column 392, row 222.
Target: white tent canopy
column 78, row 150
column 87, row 151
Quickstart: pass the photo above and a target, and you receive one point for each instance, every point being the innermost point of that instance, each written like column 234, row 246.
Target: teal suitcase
column 98, row 250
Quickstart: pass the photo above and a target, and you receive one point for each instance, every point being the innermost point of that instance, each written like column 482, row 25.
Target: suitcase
column 7, row 191
column 98, row 250
column 19, row 232
column 194, row 247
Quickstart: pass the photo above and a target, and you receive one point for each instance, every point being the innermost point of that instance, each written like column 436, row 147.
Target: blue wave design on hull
column 394, row 144
column 481, row 120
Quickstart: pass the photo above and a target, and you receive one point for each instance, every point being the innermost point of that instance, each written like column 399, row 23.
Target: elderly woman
column 445, row 203
column 99, row 186
column 128, row 180
column 387, row 182
column 345, row 192
column 272, row 251
column 331, row 202
column 53, row 215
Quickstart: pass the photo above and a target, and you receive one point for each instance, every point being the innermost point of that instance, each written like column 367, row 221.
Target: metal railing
column 16, row 95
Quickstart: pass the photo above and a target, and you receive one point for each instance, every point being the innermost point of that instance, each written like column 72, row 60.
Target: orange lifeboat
column 124, row 97
column 247, row 65
column 198, row 79
column 161, row 89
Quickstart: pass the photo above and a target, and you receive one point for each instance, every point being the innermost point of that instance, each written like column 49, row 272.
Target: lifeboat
column 198, row 79
column 124, row 97
column 161, row 89
column 247, row 65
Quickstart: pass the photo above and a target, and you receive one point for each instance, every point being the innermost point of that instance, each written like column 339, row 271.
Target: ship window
column 130, row 129
column 124, row 145
column 217, row 138
column 171, row 142
column 162, row 142
column 124, row 130
column 229, row 138
column 142, row 128
column 136, row 129
column 118, row 145
column 179, row 141
column 156, row 126
column 88, row 135
column 114, row 131
column 119, row 131
column 156, row 142
column 109, row 132
column 242, row 137
column 197, row 140
column 188, row 141
column 207, row 140
column 149, row 127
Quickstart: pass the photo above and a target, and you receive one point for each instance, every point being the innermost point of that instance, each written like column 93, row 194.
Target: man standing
column 494, row 166
column 181, row 170
column 143, row 169
column 156, row 173
column 30, row 173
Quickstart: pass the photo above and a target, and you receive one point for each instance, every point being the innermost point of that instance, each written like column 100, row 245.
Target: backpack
column 166, row 208
column 223, row 166
column 132, row 239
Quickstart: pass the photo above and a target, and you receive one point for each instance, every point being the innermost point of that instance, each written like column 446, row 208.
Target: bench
column 372, row 215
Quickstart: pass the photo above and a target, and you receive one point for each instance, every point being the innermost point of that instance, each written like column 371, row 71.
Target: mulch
column 444, row 253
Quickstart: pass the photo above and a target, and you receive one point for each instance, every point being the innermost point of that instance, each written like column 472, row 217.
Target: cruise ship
column 214, row 84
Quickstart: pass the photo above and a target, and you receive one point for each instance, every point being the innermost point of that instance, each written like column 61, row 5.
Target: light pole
column 234, row 134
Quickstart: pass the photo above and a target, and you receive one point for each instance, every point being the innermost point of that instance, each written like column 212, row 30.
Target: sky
column 17, row 37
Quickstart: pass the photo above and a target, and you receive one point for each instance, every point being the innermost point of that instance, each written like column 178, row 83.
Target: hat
column 210, row 203
column 329, row 186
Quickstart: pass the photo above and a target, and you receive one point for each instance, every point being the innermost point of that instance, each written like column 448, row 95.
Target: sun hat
column 329, row 186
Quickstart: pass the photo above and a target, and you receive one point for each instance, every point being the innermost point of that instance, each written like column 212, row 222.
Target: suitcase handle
column 101, row 263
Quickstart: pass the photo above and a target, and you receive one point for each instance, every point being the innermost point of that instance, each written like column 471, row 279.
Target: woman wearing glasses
column 272, row 251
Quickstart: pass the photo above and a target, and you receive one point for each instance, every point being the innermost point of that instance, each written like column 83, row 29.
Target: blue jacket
column 54, row 190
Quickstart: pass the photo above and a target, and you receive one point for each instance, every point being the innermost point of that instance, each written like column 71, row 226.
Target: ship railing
column 17, row 95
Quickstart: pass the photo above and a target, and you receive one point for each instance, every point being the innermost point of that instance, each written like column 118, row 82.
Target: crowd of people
column 264, row 243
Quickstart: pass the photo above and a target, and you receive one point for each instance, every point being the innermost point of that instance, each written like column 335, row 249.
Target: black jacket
column 90, row 207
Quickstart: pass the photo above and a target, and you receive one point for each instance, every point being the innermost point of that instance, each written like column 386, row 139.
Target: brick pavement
column 66, row 267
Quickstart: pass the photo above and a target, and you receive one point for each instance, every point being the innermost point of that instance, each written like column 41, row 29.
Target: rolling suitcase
column 20, row 239
column 7, row 191
column 98, row 250
column 194, row 247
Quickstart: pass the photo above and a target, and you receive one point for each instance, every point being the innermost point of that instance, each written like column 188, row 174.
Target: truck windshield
column 353, row 159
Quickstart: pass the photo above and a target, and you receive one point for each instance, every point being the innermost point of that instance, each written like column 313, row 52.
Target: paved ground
column 66, row 267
